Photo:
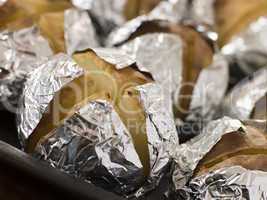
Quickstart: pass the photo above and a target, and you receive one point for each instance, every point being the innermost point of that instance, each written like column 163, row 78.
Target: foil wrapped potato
column 197, row 55
column 101, row 79
column 243, row 149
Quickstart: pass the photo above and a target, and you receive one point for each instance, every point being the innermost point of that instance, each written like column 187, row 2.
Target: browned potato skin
column 197, row 54
column 260, row 109
column 17, row 14
column 233, row 16
column 51, row 26
column 134, row 8
column 248, row 151
column 100, row 78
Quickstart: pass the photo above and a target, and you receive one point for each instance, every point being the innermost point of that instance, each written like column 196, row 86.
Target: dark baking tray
column 24, row 178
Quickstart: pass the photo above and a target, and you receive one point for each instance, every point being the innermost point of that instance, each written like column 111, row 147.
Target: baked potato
column 248, row 150
column 197, row 54
column 101, row 80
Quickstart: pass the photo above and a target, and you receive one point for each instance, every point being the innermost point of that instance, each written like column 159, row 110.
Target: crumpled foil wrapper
column 108, row 13
column 96, row 150
column 172, row 10
column 79, row 31
column 95, row 145
column 249, row 47
column 159, row 54
column 241, row 100
column 209, row 90
column 119, row 58
column 233, row 182
column 50, row 76
column 19, row 51
column 188, row 155
column 202, row 12
column 161, row 133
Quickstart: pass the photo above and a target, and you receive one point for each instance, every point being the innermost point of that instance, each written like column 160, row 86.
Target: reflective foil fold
column 119, row 58
column 19, row 51
column 241, row 100
column 202, row 12
column 227, row 183
column 159, row 54
column 209, row 90
column 250, row 46
column 94, row 145
column 173, row 11
column 161, row 133
column 79, row 31
column 50, row 76
column 108, row 13
column 188, row 155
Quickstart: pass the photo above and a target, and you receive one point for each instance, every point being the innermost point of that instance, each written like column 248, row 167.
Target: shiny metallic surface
column 79, row 31
column 233, row 182
column 252, row 39
column 161, row 133
column 120, row 59
column 250, row 46
column 202, row 12
column 94, row 145
column 160, row 54
column 19, row 51
column 210, row 89
column 239, row 103
column 173, row 11
column 50, row 76
column 107, row 11
column 188, row 155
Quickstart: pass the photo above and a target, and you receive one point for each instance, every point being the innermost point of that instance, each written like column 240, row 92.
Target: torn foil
column 241, row 100
column 19, row 51
column 209, row 90
column 48, row 78
column 249, row 47
column 79, row 31
column 173, row 11
column 188, row 155
column 160, row 54
column 227, row 183
column 202, row 12
column 94, row 144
